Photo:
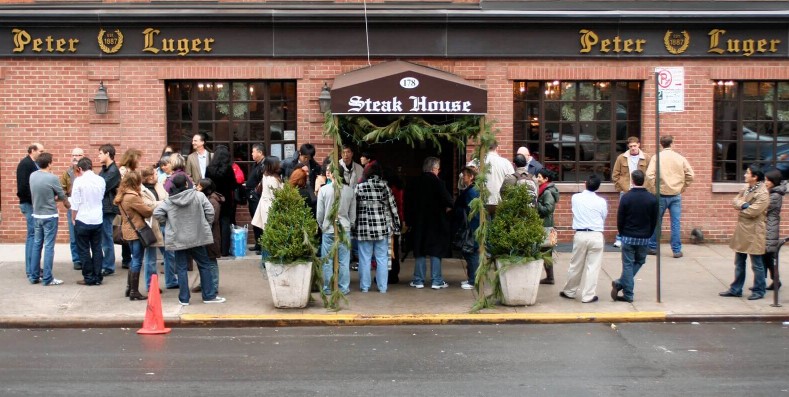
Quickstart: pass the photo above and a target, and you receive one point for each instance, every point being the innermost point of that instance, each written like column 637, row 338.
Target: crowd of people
column 189, row 204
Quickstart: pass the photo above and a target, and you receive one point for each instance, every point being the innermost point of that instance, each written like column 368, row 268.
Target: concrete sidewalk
column 690, row 287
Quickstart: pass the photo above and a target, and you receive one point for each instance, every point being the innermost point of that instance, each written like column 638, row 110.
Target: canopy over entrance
column 400, row 87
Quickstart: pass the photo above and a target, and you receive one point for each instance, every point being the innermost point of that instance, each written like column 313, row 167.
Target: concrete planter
column 290, row 284
column 520, row 283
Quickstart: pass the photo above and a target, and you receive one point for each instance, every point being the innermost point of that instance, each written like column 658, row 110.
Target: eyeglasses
column 77, row 155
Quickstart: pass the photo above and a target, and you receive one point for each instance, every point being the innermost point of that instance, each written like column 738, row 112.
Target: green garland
column 412, row 129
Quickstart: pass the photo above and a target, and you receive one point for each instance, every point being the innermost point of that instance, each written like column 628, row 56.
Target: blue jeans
column 137, row 252
column 88, row 239
column 213, row 267
column 435, row 270
column 150, row 264
column 472, row 264
column 633, row 257
column 344, row 256
column 27, row 211
column 170, row 279
column 44, row 238
column 107, row 245
column 757, row 266
column 72, row 238
column 200, row 257
column 379, row 249
column 674, row 205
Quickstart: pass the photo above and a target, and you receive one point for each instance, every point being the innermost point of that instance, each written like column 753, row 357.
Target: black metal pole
column 658, row 228
column 776, row 274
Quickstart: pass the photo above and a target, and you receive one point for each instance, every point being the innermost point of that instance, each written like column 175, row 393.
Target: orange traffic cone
column 154, row 320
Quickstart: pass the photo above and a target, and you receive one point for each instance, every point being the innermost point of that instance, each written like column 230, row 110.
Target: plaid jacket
column 376, row 210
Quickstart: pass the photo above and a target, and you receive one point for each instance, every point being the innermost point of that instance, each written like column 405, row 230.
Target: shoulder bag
column 145, row 233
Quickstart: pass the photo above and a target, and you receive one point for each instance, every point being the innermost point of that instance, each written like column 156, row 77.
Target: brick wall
column 49, row 101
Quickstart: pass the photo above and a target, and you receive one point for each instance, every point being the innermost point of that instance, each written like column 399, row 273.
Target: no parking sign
column 671, row 89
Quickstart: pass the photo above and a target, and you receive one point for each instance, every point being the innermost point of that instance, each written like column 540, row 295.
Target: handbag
column 551, row 237
column 144, row 232
column 117, row 231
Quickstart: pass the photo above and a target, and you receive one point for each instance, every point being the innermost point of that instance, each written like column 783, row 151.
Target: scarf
column 541, row 189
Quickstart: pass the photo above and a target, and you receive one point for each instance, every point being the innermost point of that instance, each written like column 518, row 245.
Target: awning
column 399, row 87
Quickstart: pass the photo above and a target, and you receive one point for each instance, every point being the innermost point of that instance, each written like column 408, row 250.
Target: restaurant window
column 576, row 128
column 751, row 126
column 237, row 114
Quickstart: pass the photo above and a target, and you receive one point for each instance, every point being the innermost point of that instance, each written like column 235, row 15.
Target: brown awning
column 400, row 87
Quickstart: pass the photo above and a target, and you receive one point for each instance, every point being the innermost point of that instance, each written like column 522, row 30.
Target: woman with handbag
column 220, row 171
column 268, row 184
column 133, row 214
column 547, row 197
column 466, row 241
column 152, row 194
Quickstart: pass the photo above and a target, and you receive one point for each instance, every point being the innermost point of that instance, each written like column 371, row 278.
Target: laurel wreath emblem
column 113, row 49
column 671, row 48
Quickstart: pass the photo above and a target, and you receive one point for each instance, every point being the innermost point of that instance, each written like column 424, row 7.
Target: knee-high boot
column 128, row 284
column 548, row 274
column 134, row 294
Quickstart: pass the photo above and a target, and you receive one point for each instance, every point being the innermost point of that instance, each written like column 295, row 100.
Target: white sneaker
column 417, row 286
column 54, row 282
column 617, row 244
column 184, row 303
column 440, row 286
column 466, row 285
column 217, row 299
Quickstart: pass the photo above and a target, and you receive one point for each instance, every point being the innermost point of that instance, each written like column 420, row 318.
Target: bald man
column 66, row 181
column 532, row 165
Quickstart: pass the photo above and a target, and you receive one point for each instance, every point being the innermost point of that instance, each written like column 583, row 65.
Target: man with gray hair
column 66, row 181
column 428, row 202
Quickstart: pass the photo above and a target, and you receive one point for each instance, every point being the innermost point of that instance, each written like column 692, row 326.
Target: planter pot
column 520, row 282
column 290, row 284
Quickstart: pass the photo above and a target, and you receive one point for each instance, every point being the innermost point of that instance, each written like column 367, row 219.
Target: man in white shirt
column 500, row 169
column 87, row 192
column 589, row 212
column 351, row 171
column 199, row 159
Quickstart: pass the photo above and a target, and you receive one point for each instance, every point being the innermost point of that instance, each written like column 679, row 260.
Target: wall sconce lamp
column 101, row 100
column 324, row 99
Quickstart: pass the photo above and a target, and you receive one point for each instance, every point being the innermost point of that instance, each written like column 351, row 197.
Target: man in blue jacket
column 635, row 222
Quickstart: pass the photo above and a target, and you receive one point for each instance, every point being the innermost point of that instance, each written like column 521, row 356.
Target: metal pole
column 658, row 228
column 776, row 274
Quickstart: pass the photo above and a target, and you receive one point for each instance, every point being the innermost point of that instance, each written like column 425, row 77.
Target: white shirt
column 86, row 195
column 202, row 161
column 589, row 211
column 499, row 168
column 632, row 163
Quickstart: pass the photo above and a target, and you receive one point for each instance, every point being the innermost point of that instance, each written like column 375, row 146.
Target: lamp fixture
column 324, row 99
column 101, row 100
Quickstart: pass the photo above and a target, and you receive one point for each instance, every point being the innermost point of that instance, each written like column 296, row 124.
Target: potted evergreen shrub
column 514, row 240
column 289, row 239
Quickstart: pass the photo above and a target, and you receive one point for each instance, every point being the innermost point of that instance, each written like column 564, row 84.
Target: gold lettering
column 588, row 40
column 72, row 45
column 196, row 45
column 773, row 44
column 604, row 45
column 21, row 39
column 617, row 41
column 715, row 35
column 638, row 45
column 762, row 43
column 168, row 45
column 747, row 47
column 150, row 34
column 60, row 43
column 207, row 44
column 628, row 45
column 733, row 45
column 183, row 47
column 37, row 45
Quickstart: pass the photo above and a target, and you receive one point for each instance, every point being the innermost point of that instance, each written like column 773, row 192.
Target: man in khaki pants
column 589, row 212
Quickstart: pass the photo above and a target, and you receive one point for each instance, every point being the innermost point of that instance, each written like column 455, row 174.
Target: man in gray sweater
column 45, row 189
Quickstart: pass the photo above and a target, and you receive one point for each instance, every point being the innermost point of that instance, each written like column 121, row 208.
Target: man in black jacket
column 112, row 179
column 26, row 167
column 636, row 221
column 253, row 179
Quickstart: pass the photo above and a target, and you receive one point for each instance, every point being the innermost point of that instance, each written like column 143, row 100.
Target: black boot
column 134, row 294
column 548, row 275
column 128, row 284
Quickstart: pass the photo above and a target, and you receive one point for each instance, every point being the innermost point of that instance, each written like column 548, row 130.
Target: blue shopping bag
column 238, row 246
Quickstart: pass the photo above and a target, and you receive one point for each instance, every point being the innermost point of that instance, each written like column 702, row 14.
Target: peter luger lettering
column 418, row 104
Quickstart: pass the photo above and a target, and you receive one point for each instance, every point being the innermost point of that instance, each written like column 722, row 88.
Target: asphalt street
column 657, row 359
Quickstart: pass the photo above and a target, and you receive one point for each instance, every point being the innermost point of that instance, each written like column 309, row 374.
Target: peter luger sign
column 409, row 93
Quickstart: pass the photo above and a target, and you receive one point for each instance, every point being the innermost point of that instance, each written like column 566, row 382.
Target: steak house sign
column 404, row 88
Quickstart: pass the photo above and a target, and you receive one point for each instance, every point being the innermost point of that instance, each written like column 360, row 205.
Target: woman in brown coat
column 133, row 214
column 749, row 235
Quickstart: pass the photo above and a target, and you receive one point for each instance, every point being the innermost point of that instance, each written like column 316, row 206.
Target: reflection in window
column 233, row 113
column 751, row 125
column 576, row 128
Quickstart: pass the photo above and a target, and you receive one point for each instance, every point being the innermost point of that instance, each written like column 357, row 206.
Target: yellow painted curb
column 280, row 320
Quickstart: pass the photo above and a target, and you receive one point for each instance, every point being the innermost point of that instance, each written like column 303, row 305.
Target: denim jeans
column 380, row 250
column 757, row 266
column 435, row 270
column 27, row 211
column 150, row 264
column 170, row 279
column 72, row 238
column 200, row 257
column 137, row 253
column 107, row 245
column 44, row 238
column 88, row 239
column 674, row 206
column 213, row 267
column 633, row 257
column 472, row 264
column 344, row 257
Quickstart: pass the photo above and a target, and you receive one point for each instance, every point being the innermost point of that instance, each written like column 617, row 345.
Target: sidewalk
column 690, row 287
